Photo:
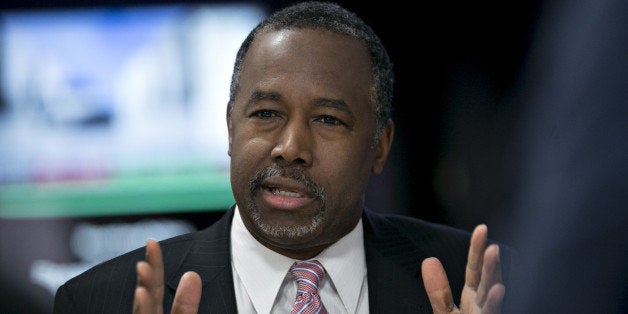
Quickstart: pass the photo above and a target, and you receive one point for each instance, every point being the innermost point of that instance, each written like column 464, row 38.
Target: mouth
column 285, row 189
column 284, row 193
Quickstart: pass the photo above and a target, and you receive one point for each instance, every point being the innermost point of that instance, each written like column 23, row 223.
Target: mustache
column 293, row 173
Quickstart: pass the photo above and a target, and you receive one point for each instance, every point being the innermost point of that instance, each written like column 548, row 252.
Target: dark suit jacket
column 395, row 247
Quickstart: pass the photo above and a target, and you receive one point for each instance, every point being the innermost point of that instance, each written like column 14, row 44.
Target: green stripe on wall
column 121, row 196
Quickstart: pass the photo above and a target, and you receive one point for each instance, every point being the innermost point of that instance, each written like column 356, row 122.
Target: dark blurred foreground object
column 571, row 222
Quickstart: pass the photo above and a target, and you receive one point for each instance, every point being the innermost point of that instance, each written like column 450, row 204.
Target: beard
column 286, row 232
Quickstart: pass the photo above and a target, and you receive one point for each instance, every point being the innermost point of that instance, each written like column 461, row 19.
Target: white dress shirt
column 262, row 284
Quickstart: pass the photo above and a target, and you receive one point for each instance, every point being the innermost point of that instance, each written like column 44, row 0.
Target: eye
column 330, row 120
column 264, row 114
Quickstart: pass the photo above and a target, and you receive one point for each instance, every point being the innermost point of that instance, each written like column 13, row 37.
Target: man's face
column 301, row 139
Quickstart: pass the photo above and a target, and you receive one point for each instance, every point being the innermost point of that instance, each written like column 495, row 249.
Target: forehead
column 314, row 60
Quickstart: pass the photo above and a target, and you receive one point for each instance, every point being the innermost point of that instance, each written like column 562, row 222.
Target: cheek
column 248, row 155
column 247, row 149
column 347, row 171
column 357, row 160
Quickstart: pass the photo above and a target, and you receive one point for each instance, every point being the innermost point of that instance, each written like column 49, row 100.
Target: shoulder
column 120, row 265
column 414, row 229
column 108, row 287
column 433, row 239
column 117, row 274
column 173, row 250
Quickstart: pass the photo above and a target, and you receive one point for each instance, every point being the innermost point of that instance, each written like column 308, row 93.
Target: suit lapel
column 394, row 263
column 393, row 266
column 208, row 254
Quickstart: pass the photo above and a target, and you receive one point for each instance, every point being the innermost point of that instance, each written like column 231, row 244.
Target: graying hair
column 329, row 16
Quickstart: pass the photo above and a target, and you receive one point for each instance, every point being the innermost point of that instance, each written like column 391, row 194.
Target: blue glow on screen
column 99, row 103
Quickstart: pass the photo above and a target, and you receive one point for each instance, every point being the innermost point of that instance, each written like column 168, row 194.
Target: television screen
column 115, row 110
column 112, row 131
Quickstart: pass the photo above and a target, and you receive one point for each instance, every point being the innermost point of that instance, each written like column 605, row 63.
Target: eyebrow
column 339, row 104
column 259, row 95
column 333, row 103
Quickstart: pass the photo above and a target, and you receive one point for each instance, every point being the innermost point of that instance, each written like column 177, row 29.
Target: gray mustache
column 293, row 173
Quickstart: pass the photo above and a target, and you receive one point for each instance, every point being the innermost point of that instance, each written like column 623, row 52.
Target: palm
column 483, row 291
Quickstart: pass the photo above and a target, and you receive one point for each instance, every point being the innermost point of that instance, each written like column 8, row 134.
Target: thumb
column 437, row 286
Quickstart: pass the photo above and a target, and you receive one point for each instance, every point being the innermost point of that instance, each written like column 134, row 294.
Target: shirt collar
column 262, row 270
column 346, row 265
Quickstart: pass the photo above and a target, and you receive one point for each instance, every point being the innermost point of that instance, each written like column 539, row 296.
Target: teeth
column 285, row 193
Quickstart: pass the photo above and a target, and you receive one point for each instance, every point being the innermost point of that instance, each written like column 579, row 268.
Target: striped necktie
column 308, row 275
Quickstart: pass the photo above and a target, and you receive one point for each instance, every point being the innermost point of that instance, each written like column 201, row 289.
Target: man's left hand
column 483, row 290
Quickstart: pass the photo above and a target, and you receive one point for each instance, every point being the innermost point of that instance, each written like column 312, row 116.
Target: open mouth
column 285, row 193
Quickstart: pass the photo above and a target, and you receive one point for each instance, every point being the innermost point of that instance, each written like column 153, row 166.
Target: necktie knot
column 308, row 275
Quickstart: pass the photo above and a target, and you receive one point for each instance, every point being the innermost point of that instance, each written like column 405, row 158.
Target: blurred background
column 509, row 113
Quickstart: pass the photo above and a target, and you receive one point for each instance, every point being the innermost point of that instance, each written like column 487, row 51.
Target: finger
column 474, row 260
column 494, row 299
column 149, row 290
column 144, row 275
column 437, row 286
column 188, row 295
column 142, row 302
column 154, row 259
column 491, row 273
column 145, row 301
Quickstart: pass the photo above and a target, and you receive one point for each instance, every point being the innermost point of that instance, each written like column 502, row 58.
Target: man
column 309, row 122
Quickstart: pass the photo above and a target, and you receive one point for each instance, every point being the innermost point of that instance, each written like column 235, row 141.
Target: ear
column 383, row 147
column 229, row 128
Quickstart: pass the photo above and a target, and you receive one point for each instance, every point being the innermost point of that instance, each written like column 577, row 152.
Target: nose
column 294, row 144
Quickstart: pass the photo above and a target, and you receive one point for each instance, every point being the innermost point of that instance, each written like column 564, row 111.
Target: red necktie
column 308, row 275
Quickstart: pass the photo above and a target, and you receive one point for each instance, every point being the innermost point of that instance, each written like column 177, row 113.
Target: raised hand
column 483, row 290
column 149, row 292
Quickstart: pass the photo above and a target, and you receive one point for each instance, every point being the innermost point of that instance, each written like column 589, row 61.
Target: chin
column 288, row 232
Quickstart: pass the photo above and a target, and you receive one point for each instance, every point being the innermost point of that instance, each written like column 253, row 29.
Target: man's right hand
column 149, row 292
